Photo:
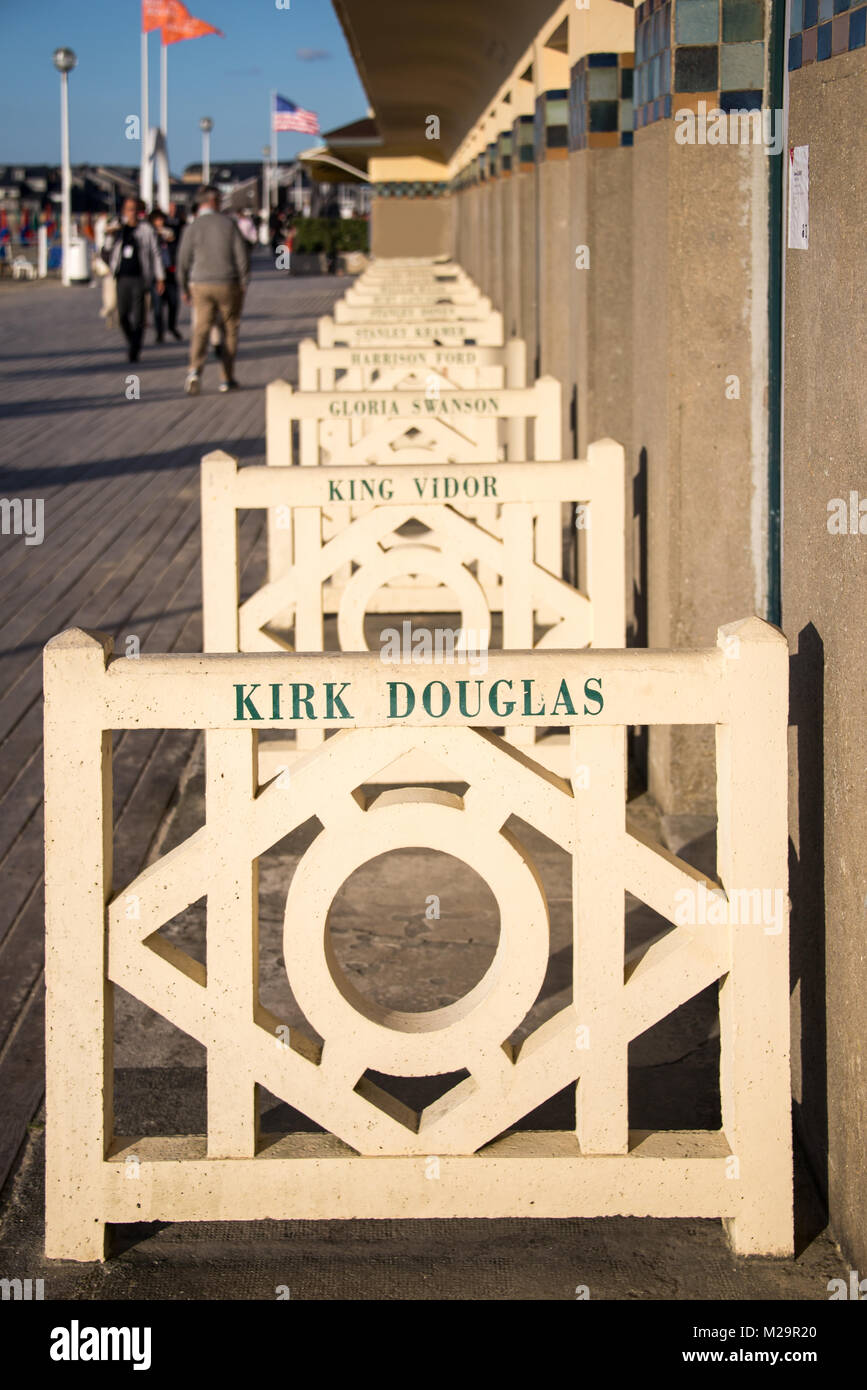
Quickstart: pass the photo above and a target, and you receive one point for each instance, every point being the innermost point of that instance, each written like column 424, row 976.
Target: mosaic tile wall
column 504, row 157
column 820, row 29
column 600, row 101
column 410, row 190
column 551, row 125
column 688, row 51
column 523, row 151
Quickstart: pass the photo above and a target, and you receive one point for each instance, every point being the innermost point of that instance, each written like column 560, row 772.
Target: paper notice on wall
column 799, row 197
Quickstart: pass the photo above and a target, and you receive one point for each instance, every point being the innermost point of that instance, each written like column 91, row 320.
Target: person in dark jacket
column 132, row 254
column 167, row 302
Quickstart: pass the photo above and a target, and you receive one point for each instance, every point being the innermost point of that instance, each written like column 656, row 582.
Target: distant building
column 28, row 192
column 294, row 187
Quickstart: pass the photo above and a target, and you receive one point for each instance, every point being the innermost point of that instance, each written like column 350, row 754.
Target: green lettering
column 427, row 700
column 334, row 706
column 594, row 695
column 462, row 699
column 493, row 697
column 244, row 702
column 306, row 700
column 393, row 712
column 528, row 701
column 564, row 696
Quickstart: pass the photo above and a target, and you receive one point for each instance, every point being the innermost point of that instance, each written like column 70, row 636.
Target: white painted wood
column 370, row 1163
column 456, row 553
column 427, row 332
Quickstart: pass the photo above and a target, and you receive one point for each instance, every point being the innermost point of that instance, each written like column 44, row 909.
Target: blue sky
column 229, row 79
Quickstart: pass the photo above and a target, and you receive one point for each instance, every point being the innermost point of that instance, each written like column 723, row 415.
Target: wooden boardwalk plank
column 119, row 480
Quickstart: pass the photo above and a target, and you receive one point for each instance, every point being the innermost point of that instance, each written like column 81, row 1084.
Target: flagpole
column 272, row 189
column 144, row 132
column 164, row 87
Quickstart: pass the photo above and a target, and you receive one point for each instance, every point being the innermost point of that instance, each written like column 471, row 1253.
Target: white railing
column 454, row 565
column 372, row 1162
column 386, row 369
column 429, row 331
column 411, row 428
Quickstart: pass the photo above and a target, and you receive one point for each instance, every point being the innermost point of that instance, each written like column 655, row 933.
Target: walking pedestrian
column 166, row 304
column 105, row 227
column 132, row 254
column 212, row 266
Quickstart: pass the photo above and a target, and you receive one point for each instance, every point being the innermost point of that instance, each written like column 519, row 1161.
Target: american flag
column 287, row 116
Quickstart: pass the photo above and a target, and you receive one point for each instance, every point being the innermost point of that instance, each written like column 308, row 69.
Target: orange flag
column 153, row 15
column 178, row 24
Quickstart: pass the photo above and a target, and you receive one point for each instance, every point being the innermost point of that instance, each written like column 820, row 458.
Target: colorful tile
column 795, row 55
column 826, row 10
column 742, row 20
column 809, row 49
column 840, row 33
column 603, row 115
column 796, row 23
column 696, row 69
column 811, row 13
column 823, row 46
column 691, row 102
column 696, row 21
column 742, row 65
column 841, row 5
column 602, row 84
column 857, row 28
column 740, row 101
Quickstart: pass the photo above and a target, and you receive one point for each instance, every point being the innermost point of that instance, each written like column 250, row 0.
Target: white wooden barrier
column 431, row 296
column 409, row 428
column 412, row 313
column 372, row 1160
column 449, row 558
column 387, row 369
column 433, row 331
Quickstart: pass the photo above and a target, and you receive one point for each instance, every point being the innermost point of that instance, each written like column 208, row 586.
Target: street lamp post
column 65, row 60
column 206, row 125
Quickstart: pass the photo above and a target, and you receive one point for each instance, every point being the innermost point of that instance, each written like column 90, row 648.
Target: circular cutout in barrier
column 439, row 1040
column 437, row 927
column 386, row 565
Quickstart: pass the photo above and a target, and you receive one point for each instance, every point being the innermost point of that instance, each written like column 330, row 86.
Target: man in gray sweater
column 212, row 269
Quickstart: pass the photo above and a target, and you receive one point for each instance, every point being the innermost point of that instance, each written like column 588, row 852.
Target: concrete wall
column 700, row 318
column 824, row 587
column 525, row 190
column 511, row 257
column 556, row 278
column 410, row 226
column 600, row 330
